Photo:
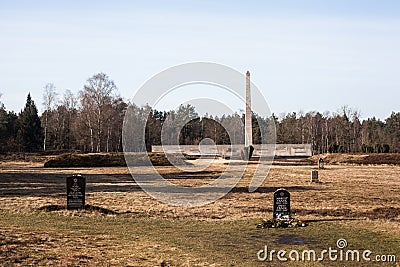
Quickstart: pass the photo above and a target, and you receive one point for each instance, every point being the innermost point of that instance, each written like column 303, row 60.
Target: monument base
column 248, row 152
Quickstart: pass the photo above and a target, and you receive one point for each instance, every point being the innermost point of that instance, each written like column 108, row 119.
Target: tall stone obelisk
column 248, row 138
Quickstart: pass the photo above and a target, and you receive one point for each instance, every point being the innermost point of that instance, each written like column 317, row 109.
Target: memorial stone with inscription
column 281, row 203
column 314, row 176
column 320, row 163
column 76, row 186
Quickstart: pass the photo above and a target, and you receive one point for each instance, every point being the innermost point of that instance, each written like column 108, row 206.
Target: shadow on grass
column 388, row 213
column 42, row 185
column 54, row 184
column 271, row 189
column 333, row 220
column 192, row 175
column 88, row 208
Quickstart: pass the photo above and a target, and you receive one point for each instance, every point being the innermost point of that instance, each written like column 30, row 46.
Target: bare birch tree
column 96, row 96
column 49, row 100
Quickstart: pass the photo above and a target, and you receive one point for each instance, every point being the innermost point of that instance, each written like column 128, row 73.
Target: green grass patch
column 223, row 242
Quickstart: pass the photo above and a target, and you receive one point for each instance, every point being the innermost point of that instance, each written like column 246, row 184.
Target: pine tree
column 3, row 126
column 30, row 135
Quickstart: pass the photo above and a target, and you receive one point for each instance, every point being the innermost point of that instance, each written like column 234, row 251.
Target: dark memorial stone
column 314, row 176
column 281, row 203
column 320, row 163
column 76, row 192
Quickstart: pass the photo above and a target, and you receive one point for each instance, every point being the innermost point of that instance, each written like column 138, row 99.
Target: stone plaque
column 281, row 203
column 76, row 192
column 314, row 176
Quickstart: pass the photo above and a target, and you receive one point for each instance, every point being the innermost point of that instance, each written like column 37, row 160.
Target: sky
column 302, row 55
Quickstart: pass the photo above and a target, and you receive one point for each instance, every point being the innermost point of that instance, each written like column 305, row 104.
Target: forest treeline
column 92, row 120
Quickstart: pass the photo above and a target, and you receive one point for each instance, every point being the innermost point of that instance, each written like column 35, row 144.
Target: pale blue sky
column 303, row 55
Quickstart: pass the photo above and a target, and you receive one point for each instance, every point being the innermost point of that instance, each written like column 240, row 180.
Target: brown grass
column 124, row 226
column 360, row 159
column 359, row 191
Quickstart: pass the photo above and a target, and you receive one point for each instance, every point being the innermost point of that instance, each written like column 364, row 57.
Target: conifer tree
column 30, row 136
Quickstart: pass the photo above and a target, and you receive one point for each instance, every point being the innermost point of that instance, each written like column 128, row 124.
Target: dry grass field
column 123, row 226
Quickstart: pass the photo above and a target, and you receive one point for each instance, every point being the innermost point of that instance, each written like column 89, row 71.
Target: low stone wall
column 268, row 150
